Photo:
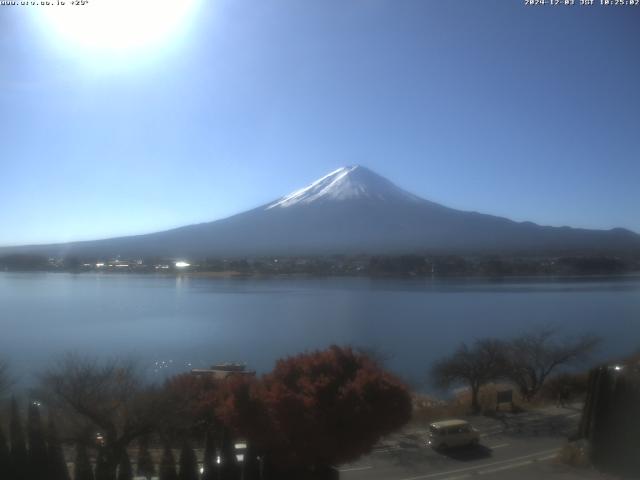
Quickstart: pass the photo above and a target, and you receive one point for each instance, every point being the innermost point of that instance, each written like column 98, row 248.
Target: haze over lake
column 194, row 322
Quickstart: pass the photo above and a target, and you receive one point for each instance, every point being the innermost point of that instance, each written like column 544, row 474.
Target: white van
column 452, row 433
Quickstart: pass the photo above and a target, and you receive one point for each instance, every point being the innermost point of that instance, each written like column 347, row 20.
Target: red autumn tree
column 192, row 402
column 317, row 409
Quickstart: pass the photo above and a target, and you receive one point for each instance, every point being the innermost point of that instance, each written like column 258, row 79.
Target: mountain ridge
column 351, row 210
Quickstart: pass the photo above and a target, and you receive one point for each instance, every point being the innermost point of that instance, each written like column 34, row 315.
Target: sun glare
column 118, row 26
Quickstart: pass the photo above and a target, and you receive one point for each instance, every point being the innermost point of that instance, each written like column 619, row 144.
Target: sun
column 117, row 26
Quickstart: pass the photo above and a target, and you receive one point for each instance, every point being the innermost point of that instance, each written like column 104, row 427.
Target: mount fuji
column 351, row 210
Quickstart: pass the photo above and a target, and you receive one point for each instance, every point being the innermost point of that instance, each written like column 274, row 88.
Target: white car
column 452, row 433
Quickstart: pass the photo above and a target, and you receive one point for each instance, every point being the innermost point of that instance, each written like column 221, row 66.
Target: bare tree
column 532, row 357
column 473, row 366
column 110, row 398
column 5, row 379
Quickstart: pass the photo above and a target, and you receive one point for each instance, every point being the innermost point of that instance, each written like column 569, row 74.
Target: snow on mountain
column 346, row 183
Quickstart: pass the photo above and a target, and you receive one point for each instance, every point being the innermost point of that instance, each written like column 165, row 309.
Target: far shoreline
column 231, row 274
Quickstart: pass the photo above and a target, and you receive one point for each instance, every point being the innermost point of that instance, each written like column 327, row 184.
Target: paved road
column 523, row 446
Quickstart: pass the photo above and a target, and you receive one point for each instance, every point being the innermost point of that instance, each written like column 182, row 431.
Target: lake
column 174, row 323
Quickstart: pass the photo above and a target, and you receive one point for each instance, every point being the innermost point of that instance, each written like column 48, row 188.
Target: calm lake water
column 186, row 321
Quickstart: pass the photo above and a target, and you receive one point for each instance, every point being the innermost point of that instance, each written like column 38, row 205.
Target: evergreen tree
column 168, row 465
column 83, row 470
column 55, row 455
column 38, row 465
column 5, row 456
column 125, row 471
column 19, row 455
column 102, row 468
column 188, row 463
column 251, row 464
column 267, row 471
column 229, row 468
column 146, row 467
column 211, row 470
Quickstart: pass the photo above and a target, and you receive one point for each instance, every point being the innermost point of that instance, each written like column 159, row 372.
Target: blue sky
column 530, row 113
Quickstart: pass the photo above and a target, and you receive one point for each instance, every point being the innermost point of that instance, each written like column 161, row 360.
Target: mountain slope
column 351, row 210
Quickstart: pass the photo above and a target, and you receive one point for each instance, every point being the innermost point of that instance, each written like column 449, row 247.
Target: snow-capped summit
column 346, row 183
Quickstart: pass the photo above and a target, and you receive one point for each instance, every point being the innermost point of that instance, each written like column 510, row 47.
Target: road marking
column 459, row 477
column 476, row 467
column 355, row 469
column 505, row 467
column 493, row 447
column 548, row 457
column 386, row 449
column 573, row 415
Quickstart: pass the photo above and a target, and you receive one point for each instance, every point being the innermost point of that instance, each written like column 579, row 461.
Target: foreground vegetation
column 313, row 411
